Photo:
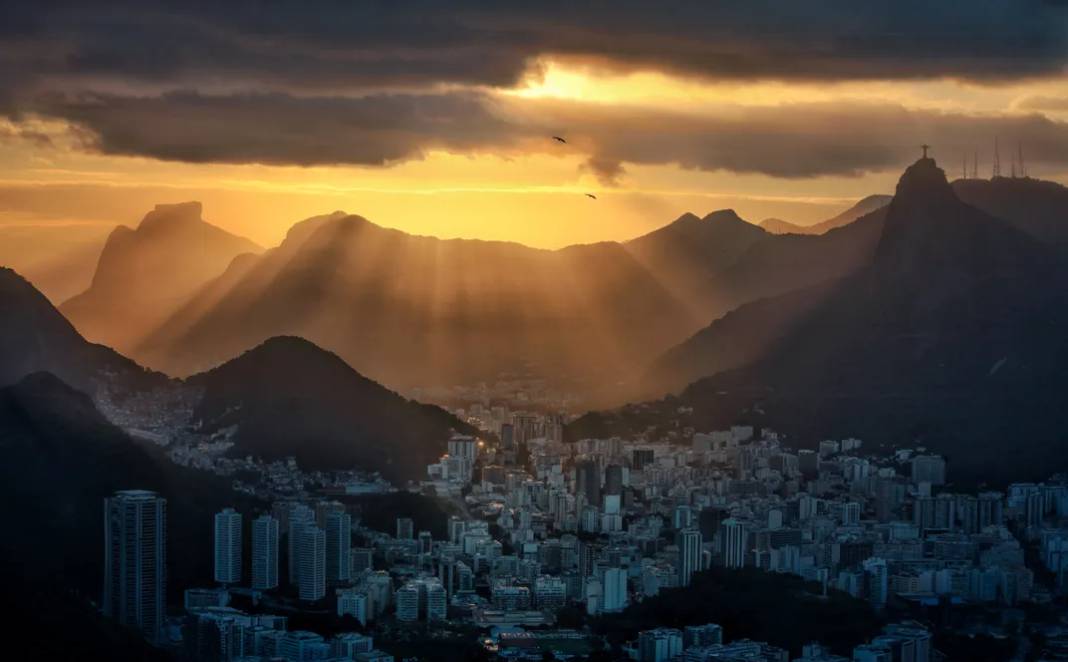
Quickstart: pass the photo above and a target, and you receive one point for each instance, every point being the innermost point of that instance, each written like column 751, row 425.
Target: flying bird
column 591, row 196
column 559, row 140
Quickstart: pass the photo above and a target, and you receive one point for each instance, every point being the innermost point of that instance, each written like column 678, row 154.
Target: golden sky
column 651, row 139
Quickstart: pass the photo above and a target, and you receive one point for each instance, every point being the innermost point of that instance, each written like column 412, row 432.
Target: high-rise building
column 338, row 532
column 228, row 546
column 264, row 553
column 311, row 562
column 426, row 542
column 298, row 516
column 405, row 528
column 733, row 539
column 689, row 543
column 135, row 560
column 659, row 645
column 407, row 598
column 588, row 480
column 463, row 446
column 614, row 590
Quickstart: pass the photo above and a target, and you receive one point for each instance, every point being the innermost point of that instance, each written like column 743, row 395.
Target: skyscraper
column 338, row 546
column 299, row 516
column 135, row 560
column 264, row 552
column 311, row 562
column 228, row 546
column 689, row 543
column 733, row 538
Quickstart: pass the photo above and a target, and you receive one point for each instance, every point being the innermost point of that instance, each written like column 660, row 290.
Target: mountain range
column 414, row 311
column 951, row 335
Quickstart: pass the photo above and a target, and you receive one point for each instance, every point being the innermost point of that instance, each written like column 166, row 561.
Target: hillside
column 288, row 397
column 61, row 458
column 35, row 337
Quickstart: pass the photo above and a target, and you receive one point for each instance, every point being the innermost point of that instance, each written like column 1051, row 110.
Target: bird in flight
column 559, row 140
column 591, row 196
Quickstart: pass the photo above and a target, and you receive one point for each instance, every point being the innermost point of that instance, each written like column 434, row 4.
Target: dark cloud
column 282, row 129
column 608, row 171
column 377, row 83
column 789, row 140
column 804, row 140
column 341, row 46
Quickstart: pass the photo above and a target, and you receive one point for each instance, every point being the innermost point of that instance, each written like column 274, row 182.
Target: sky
column 438, row 118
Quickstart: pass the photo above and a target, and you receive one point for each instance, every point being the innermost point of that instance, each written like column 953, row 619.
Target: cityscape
column 649, row 332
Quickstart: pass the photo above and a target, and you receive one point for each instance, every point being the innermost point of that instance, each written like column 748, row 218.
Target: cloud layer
column 374, row 84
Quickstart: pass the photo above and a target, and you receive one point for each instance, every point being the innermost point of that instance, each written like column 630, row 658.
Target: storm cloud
column 378, row 83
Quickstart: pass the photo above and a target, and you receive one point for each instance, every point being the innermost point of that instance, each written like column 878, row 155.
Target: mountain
column 1037, row 207
column 779, row 226
column 35, row 337
column 144, row 274
column 411, row 310
column 864, row 207
column 288, row 397
column 951, row 336
column 687, row 254
column 59, row 259
column 61, row 458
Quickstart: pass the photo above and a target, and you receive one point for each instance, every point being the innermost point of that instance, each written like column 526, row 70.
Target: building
column 360, row 559
column 929, row 469
column 659, row 645
column 733, row 539
column 301, row 645
column 614, row 590
column 355, row 603
column 264, row 553
column 348, row 645
column 135, row 560
column 311, row 562
column 464, row 447
column 689, row 544
column 550, row 592
column 702, row 635
column 407, row 599
column 297, row 516
column 338, row 533
column 405, row 528
column 228, row 546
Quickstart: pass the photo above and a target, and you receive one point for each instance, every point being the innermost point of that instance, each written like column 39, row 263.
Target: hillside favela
column 674, row 331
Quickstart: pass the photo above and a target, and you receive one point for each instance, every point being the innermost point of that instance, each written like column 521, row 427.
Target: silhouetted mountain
column 288, row 397
column 687, row 254
column 411, row 310
column 35, row 337
column 862, row 208
column 144, row 275
column 953, row 336
column 1037, row 207
column 61, row 458
column 779, row 226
